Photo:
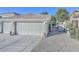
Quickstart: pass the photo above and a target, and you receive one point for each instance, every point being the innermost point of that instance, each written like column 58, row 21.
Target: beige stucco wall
column 31, row 28
column 72, row 20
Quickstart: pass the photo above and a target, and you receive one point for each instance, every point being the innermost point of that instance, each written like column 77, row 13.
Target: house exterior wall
column 14, row 23
column 74, row 21
column 25, row 28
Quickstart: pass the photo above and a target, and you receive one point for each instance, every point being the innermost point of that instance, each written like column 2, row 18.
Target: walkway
column 57, row 42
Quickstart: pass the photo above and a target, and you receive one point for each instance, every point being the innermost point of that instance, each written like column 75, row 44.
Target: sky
column 35, row 10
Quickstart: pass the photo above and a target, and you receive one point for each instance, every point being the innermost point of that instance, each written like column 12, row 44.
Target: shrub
column 72, row 31
column 78, row 34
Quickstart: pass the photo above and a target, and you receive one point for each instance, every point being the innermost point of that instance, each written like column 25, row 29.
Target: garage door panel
column 6, row 27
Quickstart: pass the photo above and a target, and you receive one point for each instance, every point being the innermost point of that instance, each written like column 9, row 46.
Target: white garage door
column 30, row 28
column 6, row 27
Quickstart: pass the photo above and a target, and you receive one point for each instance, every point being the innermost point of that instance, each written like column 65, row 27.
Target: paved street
column 57, row 42
column 18, row 43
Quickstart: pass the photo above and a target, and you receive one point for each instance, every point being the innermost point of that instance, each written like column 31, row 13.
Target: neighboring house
column 27, row 24
column 74, row 19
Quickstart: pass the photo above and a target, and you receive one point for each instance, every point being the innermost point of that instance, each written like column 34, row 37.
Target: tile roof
column 27, row 17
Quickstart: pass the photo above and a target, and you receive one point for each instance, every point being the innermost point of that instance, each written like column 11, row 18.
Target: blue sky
column 25, row 10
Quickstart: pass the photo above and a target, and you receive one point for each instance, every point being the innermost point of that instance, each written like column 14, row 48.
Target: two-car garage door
column 29, row 28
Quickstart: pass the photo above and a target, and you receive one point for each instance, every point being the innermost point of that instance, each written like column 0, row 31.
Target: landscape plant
column 62, row 14
column 74, row 31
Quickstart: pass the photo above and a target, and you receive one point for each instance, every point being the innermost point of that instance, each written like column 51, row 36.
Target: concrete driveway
column 18, row 43
column 57, row 42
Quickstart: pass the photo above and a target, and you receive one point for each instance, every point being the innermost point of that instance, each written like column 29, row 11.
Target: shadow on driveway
column 54, row 32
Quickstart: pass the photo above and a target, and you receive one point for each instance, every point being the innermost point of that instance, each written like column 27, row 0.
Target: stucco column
column 13, row 27
column 45, row 29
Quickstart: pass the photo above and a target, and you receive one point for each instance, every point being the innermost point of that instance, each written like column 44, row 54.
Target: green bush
column 73, row 31
column 78, row 34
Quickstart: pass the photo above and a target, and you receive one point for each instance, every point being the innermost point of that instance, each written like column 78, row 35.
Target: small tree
column 53, row 19
column 62, row 14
